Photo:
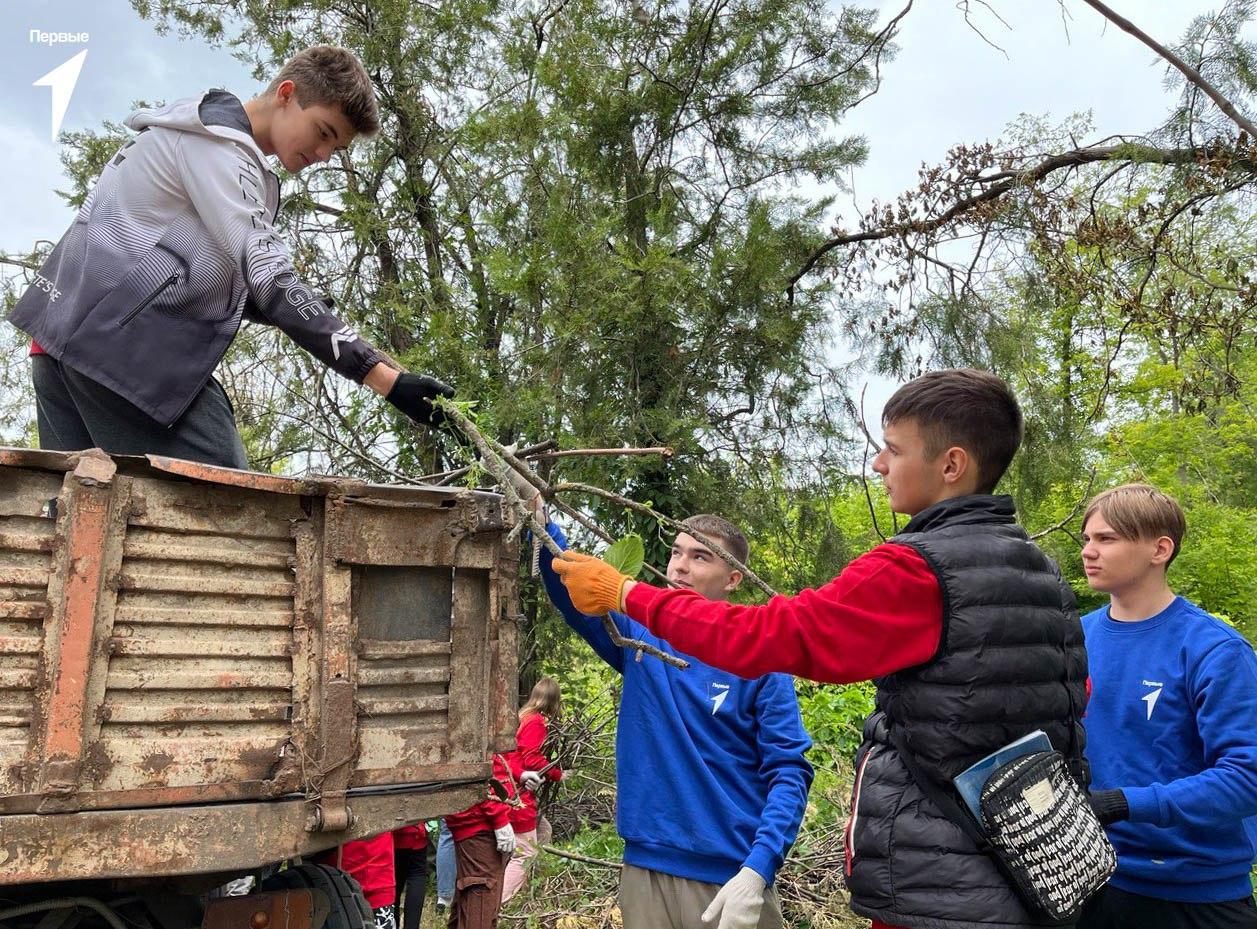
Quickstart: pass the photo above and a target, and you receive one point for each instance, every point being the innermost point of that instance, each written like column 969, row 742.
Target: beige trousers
column 653, row 900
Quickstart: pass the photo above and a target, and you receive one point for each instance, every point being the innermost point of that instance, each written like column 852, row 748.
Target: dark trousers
column 74, row 412
column 1112, row 908
column 410, row 867
column 478, row 890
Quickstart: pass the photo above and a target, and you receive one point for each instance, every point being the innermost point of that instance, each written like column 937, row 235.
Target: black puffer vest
column 1011, row 660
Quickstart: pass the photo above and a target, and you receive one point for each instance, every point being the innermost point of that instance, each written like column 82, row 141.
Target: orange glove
column 594, row 585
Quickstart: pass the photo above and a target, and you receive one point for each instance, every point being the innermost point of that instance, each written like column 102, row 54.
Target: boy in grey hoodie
column 173, row 248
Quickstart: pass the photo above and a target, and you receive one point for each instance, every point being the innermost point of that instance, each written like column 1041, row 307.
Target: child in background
column 483, row 843
column 370, row 863
column 526, row 762
column 410, row 870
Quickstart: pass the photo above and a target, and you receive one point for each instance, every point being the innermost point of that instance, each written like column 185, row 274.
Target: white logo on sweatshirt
column 344, row 334
column 1150, row 698
column 718, row 698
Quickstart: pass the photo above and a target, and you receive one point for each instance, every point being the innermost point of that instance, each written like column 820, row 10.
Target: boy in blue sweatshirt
column 711, row 776
column 1171, row 730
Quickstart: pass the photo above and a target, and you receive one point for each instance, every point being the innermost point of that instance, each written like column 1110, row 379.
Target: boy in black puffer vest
column 965, row 626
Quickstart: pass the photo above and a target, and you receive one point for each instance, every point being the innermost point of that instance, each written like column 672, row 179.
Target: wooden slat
column 373, row 649
column 196, row 680
column 227, row 555
column 192, row 584
column 17, row 678
column 192, row 648
column 373, row 707
column 20, row 645
column 23, row 542
column 210, row 712
column 23, row 609
column 368, row 676
column 130, row 612
column 23, row 577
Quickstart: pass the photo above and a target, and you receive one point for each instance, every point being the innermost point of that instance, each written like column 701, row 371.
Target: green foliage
column 626, row 555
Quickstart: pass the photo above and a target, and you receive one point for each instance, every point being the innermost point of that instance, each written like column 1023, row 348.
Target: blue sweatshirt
column 710, row 768
column 1172, row 722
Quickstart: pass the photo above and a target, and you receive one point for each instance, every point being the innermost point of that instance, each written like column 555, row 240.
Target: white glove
column 531, row 780
column 506, row 839
column 738, row 902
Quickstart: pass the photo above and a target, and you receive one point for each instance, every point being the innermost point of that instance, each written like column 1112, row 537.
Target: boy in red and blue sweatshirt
column 965, row 626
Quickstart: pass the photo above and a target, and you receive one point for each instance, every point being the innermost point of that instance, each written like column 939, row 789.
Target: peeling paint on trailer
column 183, row 645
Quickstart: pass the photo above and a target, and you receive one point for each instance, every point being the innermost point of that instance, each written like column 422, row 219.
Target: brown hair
column 544, row 699
column 327, row 75
column 718, row 528
column 1140, row 511
column 965, row 407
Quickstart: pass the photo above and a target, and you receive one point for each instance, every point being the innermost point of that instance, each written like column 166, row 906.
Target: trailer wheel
column 349, row 909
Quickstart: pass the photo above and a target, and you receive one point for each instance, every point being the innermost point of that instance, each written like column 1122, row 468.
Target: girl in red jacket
column 526, row 763
column 483, row 841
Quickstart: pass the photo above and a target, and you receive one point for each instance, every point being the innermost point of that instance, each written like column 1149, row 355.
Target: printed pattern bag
column 1043, row 831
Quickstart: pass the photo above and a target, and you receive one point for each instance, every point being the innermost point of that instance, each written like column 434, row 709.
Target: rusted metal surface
column 504, row 669
column 28, row 514
column 86, row 499
column 174, row 635
column 284, row 909
column 197, row 839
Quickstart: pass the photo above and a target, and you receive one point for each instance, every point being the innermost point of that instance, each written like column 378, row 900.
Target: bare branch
column 1192, row 75
column 992, row 187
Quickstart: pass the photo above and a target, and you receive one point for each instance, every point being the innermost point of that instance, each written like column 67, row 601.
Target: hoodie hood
column 185, row 116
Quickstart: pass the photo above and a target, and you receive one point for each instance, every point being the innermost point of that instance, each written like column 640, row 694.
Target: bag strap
column 1075, row 762
column 943, row 799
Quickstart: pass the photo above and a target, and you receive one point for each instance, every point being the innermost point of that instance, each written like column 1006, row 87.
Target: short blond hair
column 1140, row 511
column 327, row 75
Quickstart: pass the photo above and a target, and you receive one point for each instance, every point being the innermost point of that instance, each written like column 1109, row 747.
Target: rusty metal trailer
column 203, row 671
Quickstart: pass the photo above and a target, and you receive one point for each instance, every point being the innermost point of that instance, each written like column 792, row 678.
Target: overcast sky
column 947, row 85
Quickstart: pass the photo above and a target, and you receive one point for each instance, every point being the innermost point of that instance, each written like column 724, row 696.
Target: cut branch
column 661, row 450
column 669, row 522
column 574, row 856
column 500, row 462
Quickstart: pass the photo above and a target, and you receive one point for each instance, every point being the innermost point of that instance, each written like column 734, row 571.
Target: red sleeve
column 528, row 741
column 883, row 613
column 497, row 813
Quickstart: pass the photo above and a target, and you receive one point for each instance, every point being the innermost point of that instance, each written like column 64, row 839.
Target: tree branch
column 1194, row 76
column 500, row 462
column 996, row 185
column 676, row 525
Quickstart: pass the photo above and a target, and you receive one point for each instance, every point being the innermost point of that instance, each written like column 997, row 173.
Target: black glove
column 413, row 395
column 1109, row 806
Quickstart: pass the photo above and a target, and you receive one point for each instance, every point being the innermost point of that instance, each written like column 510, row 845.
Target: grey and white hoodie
column 148, row 287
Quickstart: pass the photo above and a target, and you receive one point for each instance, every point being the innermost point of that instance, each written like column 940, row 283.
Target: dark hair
column 326, row 75
column 729, row 536
column 966, row 407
